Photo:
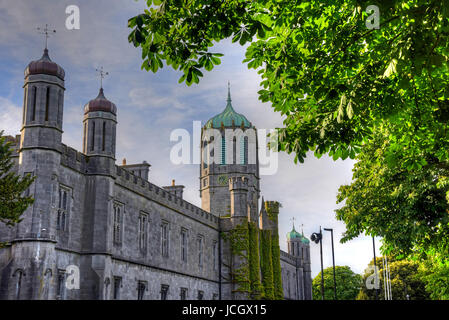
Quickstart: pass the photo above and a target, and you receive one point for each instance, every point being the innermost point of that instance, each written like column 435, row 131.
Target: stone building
column 98, row 230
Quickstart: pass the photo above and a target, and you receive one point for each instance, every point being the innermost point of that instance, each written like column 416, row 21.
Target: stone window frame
column 200, row 295
column 117, row 283
column 143, row 231
column 184, row 246
column 215, row 254
column 19, row 273
column 117, row 223
column 142, row 287
column 63, row 209
column 184, row 293
column 200, row 247
column 60, row 284
column 164, row 291
column 165, row 240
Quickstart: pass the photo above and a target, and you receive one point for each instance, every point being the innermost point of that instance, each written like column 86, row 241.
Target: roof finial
column 229, row 91
column 102, row 75
column 46, row 32
column 302, row 229
column 293, row 222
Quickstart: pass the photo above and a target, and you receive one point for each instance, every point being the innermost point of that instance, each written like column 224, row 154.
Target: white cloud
column 10, row 117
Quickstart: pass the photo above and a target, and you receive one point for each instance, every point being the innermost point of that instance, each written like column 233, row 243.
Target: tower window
column 25, row 100
column 200, row 295
column 104, row 134
column 84, row 138
column 93, row 136
column 33, row 114
column 19, row 274
column 47, row 103
column 223, row 150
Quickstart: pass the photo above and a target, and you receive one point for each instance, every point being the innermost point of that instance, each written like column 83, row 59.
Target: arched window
column 92, row 145
column 47, row 103
column 33, row 114
column 234, row 150
column 18, row 274
column 104, row 135
column 223, row 150
column 84, row 138
column 25, row 96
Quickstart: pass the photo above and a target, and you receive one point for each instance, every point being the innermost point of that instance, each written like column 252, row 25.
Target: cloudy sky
column 150, row 106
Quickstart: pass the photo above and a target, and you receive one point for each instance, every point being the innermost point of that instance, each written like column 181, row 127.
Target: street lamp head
column 316, row 237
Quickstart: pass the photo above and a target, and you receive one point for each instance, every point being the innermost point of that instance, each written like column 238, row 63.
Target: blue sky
column 151, row 105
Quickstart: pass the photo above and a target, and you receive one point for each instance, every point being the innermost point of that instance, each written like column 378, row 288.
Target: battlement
column 238, row 183
column 73, row 159
column 155, row 193
column 272, row 207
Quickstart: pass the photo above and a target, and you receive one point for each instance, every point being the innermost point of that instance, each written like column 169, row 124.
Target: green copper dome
column 229, row 118
column 293, row 234
column 305, row 240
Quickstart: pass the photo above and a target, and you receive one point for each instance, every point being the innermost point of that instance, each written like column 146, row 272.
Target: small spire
column 229, row 92
column 293, row 223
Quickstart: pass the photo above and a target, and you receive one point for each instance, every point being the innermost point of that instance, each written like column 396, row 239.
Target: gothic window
column 33, row 114
column 164, row 292
column 234, row 150
column 117, row 224
column 117, row 285
column 183, row 245
column 141, row 287
column 25, row 104
column 84, row 138
column 215, row 296
column 183, row 293
column 104, row 135
column 223, row 150
column 58, row 106
column 215, row 254
column 47, row 103
column 143, row 218
column 63, row 206
column 93, row 137
column 164, row 239
column 302, row 253
column 244, row 150
column 60, row 285
column 200, row 241
column 200, row 295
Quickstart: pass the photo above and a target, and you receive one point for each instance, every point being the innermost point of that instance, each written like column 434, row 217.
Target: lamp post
column 317, row 237
column 333, row 260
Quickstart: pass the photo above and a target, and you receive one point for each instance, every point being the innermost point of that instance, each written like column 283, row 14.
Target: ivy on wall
column 254, row 261
column 276, row 260
column 266, row 264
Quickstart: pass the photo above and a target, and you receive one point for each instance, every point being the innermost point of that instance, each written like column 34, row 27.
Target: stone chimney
column 176, row 190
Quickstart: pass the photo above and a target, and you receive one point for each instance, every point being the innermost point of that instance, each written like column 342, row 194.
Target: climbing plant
column 266, row 264
column 254, row 261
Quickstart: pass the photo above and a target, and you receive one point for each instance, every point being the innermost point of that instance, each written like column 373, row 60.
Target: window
column 117, row 285
column 92, row 145
column 25, row 104
column 244, row 150
column 104, row 135
column 143, row 218
column 84, row 138
column 183, row 245
column 47, row 103
column 164, row 292
column 117, row 228
column 223, row 150
column 215, row 254
column 200, row 250
column 183, row 294
column 62, row 209
column 33, row 114
column 60, row 289
column 215, row 296
column 164, row 239
column 200, row 295
column 141, row 287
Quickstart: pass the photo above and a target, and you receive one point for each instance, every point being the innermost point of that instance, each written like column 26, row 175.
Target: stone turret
column 238, row 187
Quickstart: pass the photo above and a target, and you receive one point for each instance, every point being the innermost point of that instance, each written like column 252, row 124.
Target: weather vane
column 46, row 32
column 102, row 74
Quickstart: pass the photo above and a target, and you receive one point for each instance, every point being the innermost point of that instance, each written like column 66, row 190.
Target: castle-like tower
column 228, row 149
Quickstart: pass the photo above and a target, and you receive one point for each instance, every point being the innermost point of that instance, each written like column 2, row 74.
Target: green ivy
column 276, row 260
column 254, row 261
column 266, row 264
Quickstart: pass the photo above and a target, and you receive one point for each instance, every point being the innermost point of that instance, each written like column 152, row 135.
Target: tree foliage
column 12, row 201
column 348, row 284
column 406, row 279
